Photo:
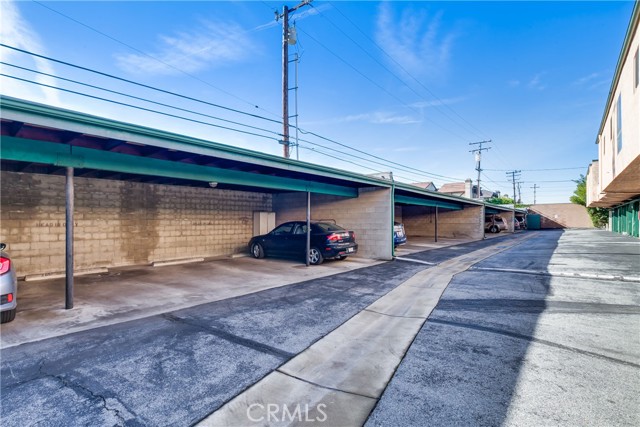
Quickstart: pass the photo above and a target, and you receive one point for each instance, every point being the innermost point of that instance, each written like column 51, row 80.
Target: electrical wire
column 347, row 63
column 400, row 167
column 79, row 67
column 140, row 99
column 471, row 126
column 147, row 55
column 134, row 106
column 535, row 170
column 210, row 104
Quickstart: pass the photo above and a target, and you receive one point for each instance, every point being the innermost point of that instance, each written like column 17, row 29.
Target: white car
column 495, row 224
column 8, row 287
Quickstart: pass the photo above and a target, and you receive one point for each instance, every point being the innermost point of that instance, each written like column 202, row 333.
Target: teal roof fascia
column 26, row 150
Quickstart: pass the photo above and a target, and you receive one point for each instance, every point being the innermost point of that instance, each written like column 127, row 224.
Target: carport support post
column 308, row 225
column 436, row 231
column 69, row 239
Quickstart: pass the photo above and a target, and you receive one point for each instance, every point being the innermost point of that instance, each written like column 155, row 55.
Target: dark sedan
column 290, row 239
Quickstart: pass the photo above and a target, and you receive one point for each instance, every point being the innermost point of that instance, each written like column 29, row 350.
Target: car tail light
column 5, row 265
column 9, row 297
column 353, row 235
column 333, row 237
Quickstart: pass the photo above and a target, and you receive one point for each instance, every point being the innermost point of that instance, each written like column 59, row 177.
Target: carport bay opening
column 120, row 223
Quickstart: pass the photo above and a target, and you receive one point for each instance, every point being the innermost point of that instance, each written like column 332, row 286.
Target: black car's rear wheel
column 315, row 257
column 8, row 316
column 257, row 251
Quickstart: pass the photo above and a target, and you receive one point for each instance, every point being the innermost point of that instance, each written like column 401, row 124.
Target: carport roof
column 45, row 139
column 411, row 195
column 494, row 209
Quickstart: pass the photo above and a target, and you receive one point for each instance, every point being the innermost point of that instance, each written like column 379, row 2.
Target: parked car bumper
column 342, row 250
column 8, row 287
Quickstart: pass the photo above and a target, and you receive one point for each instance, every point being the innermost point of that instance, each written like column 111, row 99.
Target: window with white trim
column 636, row 69
column 619, row 122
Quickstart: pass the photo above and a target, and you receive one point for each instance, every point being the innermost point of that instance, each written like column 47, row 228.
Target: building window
column 619, row 122
column 636, row 69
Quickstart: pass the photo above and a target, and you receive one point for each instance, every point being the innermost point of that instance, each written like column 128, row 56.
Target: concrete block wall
column 562, row 215
column 468, row 223
column 368, row 215
column 121, row 223
column 510, row 218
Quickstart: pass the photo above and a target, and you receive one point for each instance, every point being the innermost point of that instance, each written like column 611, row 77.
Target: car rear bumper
column 8, row 286
column 332, row 252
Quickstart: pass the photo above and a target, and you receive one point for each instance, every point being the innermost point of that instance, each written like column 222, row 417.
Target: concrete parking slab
column 359, row 357
column 507, row 348
column 132, row 293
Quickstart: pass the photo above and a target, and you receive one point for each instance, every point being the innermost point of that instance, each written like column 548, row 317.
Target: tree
column 599, row 216
column 505, row 200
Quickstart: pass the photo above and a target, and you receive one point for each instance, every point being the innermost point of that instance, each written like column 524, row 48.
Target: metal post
column 285, row 81
column 308, row 225
column 436, row 223
column 69, row 239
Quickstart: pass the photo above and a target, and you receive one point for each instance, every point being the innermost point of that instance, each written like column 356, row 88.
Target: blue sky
column 411, row 83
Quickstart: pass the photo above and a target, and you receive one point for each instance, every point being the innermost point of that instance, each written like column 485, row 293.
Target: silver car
column 8, row 287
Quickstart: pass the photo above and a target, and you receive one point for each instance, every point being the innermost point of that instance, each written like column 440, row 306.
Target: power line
column 536, row 170
column 419, row 173
column 138, row 84
column 124, row 104
column 139, row 98
column 344, row 61
column 376, row 157
column 407, row 72
column 406, row 168
column 148, row 56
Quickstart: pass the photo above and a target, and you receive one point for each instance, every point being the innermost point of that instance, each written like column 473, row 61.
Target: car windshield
column 327, row 227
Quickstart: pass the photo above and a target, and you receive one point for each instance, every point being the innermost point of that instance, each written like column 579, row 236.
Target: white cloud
column 593, row 80
column 212, row 44
column 414, row 39
column 439, row 102
column 381, row 117
column 536, row 82
column 15, row 31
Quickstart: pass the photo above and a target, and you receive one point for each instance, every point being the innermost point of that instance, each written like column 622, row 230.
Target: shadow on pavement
column 464, row 365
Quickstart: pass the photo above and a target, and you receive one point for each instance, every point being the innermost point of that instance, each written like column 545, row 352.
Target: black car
column 290, row 239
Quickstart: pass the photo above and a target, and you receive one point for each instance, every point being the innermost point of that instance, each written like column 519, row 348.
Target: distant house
column 426, row 185
column 466, row 189
column 457, row 189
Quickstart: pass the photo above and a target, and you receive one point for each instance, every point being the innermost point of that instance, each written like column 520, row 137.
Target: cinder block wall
column 562, row 215
column 510, row 218
column 121, row 223
column 468, row 223
column 369, row 215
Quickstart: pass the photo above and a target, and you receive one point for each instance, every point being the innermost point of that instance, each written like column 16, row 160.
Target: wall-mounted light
column 213, row 184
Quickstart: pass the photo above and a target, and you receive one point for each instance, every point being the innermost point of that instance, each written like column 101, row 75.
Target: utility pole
column 478, row 152
column 519, row 194
column 286, row 40
column 513, row 180
column 535, row 187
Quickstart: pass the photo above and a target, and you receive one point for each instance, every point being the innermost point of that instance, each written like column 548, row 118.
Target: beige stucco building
column 613, row 180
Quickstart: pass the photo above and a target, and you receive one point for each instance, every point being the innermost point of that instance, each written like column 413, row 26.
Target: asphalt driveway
column 532, row 347
column 509, row 343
